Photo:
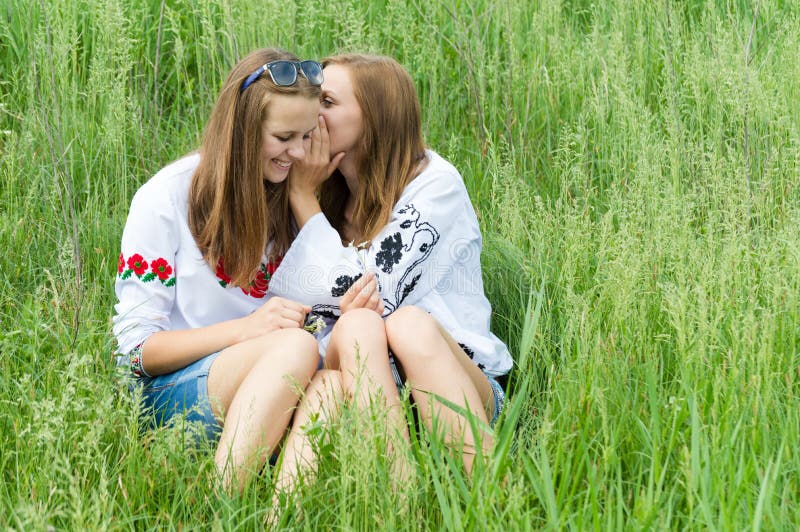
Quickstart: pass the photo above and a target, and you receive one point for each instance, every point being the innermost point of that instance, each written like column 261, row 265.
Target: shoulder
column 440, row 168
column 438, row 179
column 169, row 187
column 438, row 164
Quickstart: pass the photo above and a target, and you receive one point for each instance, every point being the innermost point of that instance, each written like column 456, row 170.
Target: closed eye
column 289, row 135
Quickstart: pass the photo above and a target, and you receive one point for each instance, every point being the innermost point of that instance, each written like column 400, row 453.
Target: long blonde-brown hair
column 390, row 149
column 233, row 211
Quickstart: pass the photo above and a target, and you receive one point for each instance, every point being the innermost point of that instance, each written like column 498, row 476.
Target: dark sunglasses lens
column 283, row 73
column 312, row 71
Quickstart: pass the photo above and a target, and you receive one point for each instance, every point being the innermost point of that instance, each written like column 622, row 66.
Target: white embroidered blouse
column 162, row 282
column 428, row 255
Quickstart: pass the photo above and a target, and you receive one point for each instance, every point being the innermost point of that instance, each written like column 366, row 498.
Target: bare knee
column 295, row 348
column 359, row 321
column 409, row 321
column 411, row 331
column 358, row 333
column 299, row 340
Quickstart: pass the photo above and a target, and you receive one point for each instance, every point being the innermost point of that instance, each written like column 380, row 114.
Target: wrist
column 239, row 330
column 304, row 207
column 299, row 188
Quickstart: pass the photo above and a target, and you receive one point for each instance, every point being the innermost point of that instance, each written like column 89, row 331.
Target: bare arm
column 168, row 351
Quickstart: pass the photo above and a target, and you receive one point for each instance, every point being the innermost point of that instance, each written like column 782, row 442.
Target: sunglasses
column 284, row 73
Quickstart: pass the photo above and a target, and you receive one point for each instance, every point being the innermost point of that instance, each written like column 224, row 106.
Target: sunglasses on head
column 284, row 73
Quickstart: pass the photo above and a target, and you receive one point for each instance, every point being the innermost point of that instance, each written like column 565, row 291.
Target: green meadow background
column 634, row 165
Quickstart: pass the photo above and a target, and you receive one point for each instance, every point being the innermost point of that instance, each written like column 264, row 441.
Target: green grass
column 635, row 169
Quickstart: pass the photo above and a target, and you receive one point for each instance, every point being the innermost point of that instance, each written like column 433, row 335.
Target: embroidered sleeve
column 146, row 270
column 431, row 228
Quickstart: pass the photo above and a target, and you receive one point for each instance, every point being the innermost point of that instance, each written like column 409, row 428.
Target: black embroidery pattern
column 419, row 237
column 470, row 353
column 390, row 253
column 327, row 311
column 409, row 287
column 343, row 283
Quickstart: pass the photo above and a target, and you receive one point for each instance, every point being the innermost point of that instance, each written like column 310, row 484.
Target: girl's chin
column 276, row 175
column 276, row 179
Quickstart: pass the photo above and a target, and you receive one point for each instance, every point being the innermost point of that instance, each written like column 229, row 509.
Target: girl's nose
column 297, row 149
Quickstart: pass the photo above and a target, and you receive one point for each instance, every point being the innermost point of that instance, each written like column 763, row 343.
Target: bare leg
column 321, row 399
column 255, row 386
column 358, row 348
column 435, row 364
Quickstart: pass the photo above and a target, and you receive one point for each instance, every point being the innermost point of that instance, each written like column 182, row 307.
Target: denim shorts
column 499, row 398
column 497, row 390
column 184, row 391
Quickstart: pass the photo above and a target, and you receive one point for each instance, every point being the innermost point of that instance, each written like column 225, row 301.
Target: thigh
column 476, row 375
column 234, row 363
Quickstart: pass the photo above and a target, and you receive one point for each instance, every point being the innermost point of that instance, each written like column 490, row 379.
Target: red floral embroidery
column 224, row 278
column 137, row 263
column 161, row 268
column 259, row 285
column 135, row 359
column 273, row 265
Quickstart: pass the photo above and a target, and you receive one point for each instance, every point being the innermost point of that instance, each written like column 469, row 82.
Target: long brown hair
column 233, row 211
column 390, row 149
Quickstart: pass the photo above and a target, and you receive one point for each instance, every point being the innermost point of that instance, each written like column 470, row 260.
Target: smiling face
column 286, row 133
column 341, row 111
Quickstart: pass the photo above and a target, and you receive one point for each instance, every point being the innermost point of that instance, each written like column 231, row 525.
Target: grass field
column 635, row 169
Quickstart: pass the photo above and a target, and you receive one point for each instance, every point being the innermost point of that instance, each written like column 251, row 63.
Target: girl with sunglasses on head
column 197, row 329
column 405, row 300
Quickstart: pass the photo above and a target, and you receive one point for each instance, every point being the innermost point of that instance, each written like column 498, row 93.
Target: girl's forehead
column 292, row 113
column 337, row 79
